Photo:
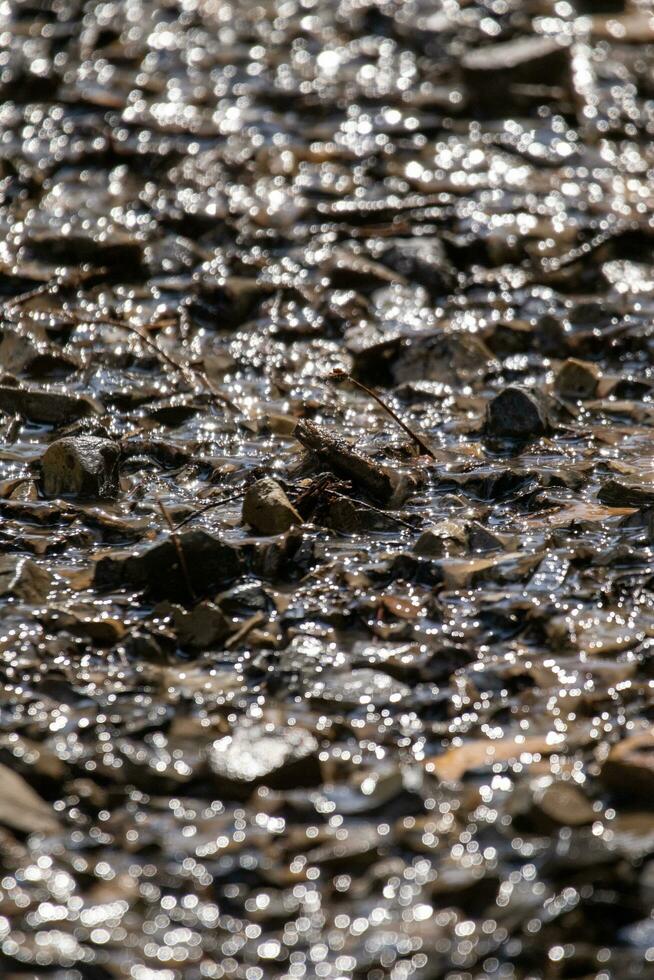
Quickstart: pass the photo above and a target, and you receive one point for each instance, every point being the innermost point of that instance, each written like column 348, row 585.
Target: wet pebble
column 267, row 509
column 516, row 412
column 80, row 466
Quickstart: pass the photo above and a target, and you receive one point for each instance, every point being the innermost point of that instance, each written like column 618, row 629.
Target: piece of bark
column 343, row 459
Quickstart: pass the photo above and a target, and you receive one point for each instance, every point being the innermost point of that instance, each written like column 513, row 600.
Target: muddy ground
column 326, row 490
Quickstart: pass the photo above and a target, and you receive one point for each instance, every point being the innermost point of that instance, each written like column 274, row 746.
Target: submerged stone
column 264, row 755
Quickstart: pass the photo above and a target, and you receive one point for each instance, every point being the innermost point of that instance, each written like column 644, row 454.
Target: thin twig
column 14, row 301
column 210, row 506
column 178, row 548
column 364, row 506
column 192, row 375
column 244, row 629
column 344, row 376
column 52, row 285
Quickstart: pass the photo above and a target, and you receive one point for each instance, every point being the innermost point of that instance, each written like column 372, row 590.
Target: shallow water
column 356, row 756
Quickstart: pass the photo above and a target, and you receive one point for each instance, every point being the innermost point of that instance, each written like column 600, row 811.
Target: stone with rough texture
column 577, row 379
column 516, row 412
column 267, row 509
column 80, row 466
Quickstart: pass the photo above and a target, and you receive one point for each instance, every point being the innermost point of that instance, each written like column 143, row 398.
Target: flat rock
column 211, row 564
column 516, row 412
column 267, row 509
column 264, row 755
column 617, row 494
column 22, row 578
column 80, row 466
column 48, row 407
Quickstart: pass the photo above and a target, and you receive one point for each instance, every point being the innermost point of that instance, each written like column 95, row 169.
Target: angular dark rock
column 21, row 808
column 480, row 539
column 577, row 379
column 430, row 544
column 211, row 564
column 346, row 461
column 615, row 493
column 518, row 413
column 198, row 628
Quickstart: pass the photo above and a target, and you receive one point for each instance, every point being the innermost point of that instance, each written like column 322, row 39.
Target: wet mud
column 326, row 490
